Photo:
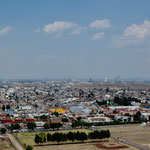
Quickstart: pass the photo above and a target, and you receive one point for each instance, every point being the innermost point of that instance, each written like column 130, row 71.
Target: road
column 131, row 143
column 14, row 142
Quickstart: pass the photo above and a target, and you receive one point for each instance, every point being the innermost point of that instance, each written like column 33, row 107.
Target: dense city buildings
column 73, row 104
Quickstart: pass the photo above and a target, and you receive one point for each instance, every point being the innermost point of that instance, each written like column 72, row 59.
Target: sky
column 74, row 39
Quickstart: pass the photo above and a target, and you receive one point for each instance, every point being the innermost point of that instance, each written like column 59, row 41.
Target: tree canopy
column 31, row 125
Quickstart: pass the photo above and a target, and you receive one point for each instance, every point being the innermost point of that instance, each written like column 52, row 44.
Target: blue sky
column 77, row 39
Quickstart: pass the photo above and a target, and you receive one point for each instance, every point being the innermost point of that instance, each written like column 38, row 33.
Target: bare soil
column 109, row 144
column 137, row 133
column 6, row 145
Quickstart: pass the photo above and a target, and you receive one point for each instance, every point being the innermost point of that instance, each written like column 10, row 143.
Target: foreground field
column 106, row 144
column 28, row 139
column 136, row 133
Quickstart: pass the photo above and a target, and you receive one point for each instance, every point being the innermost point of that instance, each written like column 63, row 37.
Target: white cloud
column 133, row 34
column 138, row 31
column 78, row 30
column 98, row 36
column 5, row 30
column 100, row 24
column 59, row 27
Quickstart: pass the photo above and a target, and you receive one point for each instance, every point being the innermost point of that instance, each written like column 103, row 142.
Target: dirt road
column 15, row 142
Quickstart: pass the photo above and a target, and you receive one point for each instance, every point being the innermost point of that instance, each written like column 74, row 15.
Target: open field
column 136, row 133
column 104, row 145
column 6, row 145
column 28, row 137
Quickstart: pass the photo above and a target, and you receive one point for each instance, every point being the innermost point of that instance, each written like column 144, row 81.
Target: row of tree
column 125, row 101
column 32, row 125
column 52, row 125
column 6, row 107
column 14, row 127
column 70, row 136
column 79, row 123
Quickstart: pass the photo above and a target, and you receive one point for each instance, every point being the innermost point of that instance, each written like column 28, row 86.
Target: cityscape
column 74, row 75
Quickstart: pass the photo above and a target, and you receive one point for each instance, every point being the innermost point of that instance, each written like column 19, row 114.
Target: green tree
column 58, row 137
column 64, row 137
column 15, row 126
column 83, row 136
column 95, row 135
column 55, row 125
column 8, row 107
column 42, row 137
column 108, row 134
column 137, row 116
column 37, row 139
column 73, row 125
column 107, row 90
column 55, row 113
column 3, row 130
column 127, row 114
column 77, row 136
column 49, row 137
column 29, row 147
column 43, row 117
column 99, row 134
column 64, row 119
column 3, row 108
column 31, row 125
column 10, row 128
column 86, row 124
column 123, row 101
column 71, row 136
column 79, row 118
column 46, row 126
column 78, row 124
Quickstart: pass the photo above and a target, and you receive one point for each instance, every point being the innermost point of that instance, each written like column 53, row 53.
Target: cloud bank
column 133, row 34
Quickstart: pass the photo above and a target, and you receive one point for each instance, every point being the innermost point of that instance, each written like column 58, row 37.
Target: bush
column 29, row 147
column 3, row 130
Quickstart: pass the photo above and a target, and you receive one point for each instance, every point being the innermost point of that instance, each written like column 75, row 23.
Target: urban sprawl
column 48, row 105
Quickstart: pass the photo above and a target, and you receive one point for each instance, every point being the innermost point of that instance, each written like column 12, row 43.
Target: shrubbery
column 3, row 130
column 29, row 147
